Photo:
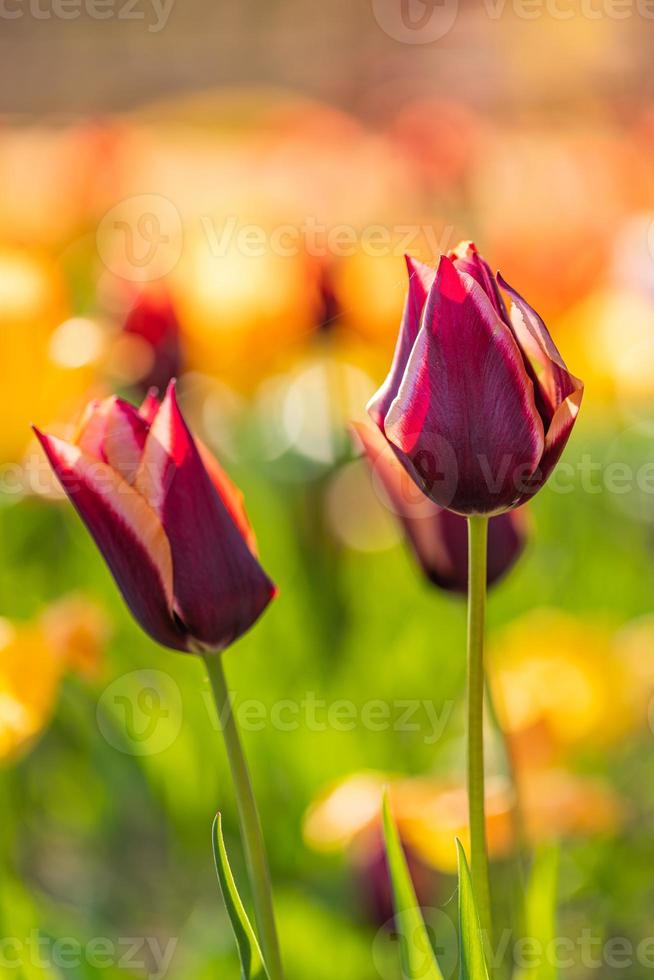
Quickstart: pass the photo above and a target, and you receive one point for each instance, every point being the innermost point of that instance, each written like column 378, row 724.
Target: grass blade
column 471, row 944
column 252, row 964
column 416, row 953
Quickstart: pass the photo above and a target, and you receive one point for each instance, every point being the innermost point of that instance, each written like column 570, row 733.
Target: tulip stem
column 477, row 558
column 250, row 823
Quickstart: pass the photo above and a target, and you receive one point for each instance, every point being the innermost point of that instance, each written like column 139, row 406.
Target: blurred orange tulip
column 432, row 813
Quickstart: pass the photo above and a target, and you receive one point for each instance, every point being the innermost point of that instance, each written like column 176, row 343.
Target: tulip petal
column 113, row 431
column 552, row 380
column 556, row 439
column 465, row 394
column 125, row 439
column 466, row 258
column 559, row 393
column 229, row 493
column 149, row 406
column 127, row 532
column 220, row 589
column 421, row 278
column 89, row 435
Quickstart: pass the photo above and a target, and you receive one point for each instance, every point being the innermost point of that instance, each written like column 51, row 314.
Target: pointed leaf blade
column 252, row 964
column 416, row 953
column 471, row 945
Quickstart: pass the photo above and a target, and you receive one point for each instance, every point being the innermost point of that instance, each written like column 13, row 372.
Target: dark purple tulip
column 478, row 404
column 373, row 883
column 169, row 523
column 439, row 538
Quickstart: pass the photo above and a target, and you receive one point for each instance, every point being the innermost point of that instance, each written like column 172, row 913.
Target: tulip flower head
column 439, row 538
column 170, row 524
column 478, row 404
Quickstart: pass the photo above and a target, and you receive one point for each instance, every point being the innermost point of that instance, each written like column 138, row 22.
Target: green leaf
column 416, row 954
column 471, row 945
column 540, row 913
column 252, row 964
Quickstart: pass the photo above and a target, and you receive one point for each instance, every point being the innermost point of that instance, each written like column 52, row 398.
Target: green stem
column 477, row 549
column 251, row 831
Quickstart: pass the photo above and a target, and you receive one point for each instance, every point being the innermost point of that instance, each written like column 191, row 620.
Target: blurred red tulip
column 477, row 405
column 439, row 537
column 152, row 321
column 328, row 307
column 169, row 523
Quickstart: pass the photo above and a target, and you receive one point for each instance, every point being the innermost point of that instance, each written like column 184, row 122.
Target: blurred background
column 225, row 192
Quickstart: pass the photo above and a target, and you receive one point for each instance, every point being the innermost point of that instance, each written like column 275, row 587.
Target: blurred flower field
column 252, row 242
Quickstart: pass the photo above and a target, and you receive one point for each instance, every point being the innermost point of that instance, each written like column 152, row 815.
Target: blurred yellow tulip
column 557, row 675
column 34, row 656
column 634, row 648
column 240, row 308
column 47, row 359
column 611, row 334
column 29, row 678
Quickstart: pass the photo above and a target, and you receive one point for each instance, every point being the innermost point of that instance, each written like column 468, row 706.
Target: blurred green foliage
column 98, row 842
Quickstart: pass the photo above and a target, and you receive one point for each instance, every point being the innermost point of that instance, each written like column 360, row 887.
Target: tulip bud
column 478, row 404
column 168, row 521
